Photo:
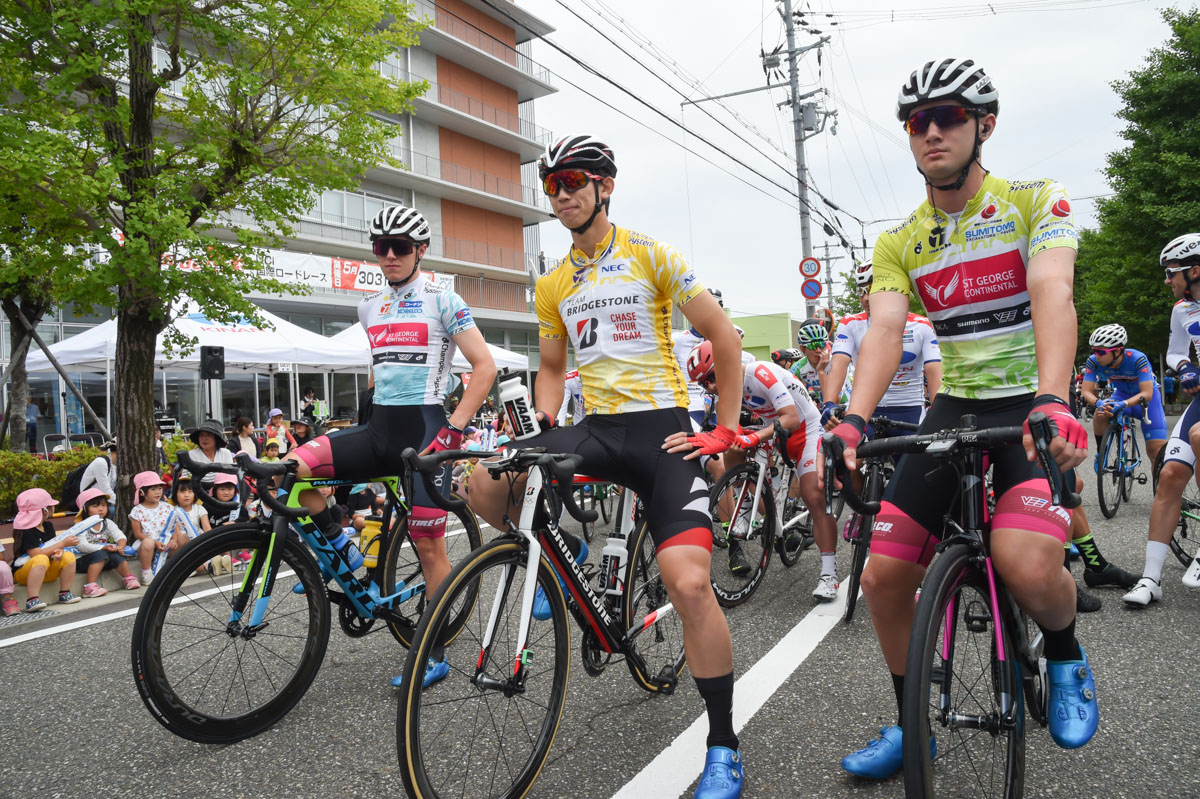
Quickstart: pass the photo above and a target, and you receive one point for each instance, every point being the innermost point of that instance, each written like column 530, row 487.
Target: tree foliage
column 1156, row 185
column 193, row 133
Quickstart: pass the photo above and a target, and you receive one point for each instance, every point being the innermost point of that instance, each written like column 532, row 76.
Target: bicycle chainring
column 595, row 659
column 352, row 624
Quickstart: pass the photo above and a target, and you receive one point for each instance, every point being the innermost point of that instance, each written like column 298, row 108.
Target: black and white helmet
column 1184, row 250
column 948, row 78
column 862, row 275
column 717, row 294
column 578, row 151
column 1108, row 336
column 400, row 220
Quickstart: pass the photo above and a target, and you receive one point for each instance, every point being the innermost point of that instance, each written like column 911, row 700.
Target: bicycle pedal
column 977, row 617
column 666, row 681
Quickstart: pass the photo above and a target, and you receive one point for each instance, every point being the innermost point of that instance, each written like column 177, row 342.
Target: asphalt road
column 75, row 727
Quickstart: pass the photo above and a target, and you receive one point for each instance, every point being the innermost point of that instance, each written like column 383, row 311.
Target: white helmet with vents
column 578, row 151
column 1184, row 250
column 1108, row 336
column 400, row 220
column 948, row 78
column 862, row 275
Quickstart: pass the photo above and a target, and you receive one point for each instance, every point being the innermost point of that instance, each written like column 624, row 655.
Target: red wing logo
column 941, row 295
column 764, row 375
column 1061, row 208
column 990, row 211
column 399, row 335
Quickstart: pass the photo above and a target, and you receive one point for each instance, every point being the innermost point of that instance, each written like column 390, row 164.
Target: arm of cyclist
column 710, row 321
column 789, row 419
column 1049, row 280
column 1088, row 391
column 878, row 360
column 933, row 377
column 483, row 374
column 831, row 388
column 550, row 385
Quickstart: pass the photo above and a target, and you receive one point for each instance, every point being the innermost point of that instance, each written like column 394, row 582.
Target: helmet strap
column 600, row 206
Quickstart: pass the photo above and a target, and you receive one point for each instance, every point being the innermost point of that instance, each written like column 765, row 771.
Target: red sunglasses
column 1105, row 350
column 400, row 247
column 569, row 179
column 946, row 116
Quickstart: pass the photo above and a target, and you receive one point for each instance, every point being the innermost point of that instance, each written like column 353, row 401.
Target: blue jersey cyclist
column 414, row 328
column 1135, row 391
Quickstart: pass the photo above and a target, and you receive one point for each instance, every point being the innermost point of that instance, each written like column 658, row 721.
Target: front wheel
column 1108, row 482
column 486, row 728
column 742, row 534
column 958, row 690
column 1185, row 541
column 657, row 658
column 1130, row 458
column 201, row 669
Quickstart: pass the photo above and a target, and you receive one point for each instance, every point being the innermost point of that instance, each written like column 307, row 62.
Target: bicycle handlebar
column 184, row 460
column 428, row 465
column 266, row 492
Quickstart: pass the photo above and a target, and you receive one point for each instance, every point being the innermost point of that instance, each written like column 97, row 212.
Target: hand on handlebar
column 1069, row 446
column 828, row 409
column 843, row 440
column 748, row 440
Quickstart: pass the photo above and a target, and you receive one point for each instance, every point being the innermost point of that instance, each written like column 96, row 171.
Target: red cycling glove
column 748, row 440
column 713, row 443
column 1059, row 414
column 447, row 438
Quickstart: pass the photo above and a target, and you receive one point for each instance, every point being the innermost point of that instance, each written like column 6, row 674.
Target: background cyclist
column 1129, row 372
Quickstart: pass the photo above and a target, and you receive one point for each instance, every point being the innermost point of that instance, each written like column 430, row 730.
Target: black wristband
column 856, row 421
column 450, row 425
column 1047, row 399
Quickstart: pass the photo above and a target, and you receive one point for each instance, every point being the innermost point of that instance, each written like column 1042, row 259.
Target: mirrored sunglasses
column 400, row 247
column 569, row 179
column 1104, row 350
column 1171, row 270
column 946, row 116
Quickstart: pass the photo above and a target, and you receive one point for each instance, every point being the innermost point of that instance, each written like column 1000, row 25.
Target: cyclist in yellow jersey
column 993, row 262
column 611, row 298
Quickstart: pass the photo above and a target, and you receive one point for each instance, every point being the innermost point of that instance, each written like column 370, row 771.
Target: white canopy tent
column 356, row 337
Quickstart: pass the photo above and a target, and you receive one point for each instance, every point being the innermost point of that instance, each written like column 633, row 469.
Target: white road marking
column 677, row 766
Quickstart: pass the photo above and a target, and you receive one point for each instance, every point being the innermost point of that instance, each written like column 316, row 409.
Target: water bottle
column 346, row 547
column 522, row 419
column 612, row 567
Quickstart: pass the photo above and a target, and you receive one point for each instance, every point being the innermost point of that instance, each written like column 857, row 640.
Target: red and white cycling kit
column 766, row 390
column 907, row 388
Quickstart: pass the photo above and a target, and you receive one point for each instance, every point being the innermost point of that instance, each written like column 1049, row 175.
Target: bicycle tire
column 1130, row 457
column 401, row 564
column 1157, row 468
column 755, row 543
column 954, row 586
column 860, row 546
column 789, row 556
column 450, row 739
column 1108, row 482
column 1185, row 539
column 659, row 649
column 585, row 498
column 170, row 682
column 606, row 502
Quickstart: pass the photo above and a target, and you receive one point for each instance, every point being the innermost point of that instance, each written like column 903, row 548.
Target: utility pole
column 826, row 262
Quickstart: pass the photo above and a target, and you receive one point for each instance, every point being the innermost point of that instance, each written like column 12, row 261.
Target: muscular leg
column 889, row 585
column 1031, row 565
column 685, row 571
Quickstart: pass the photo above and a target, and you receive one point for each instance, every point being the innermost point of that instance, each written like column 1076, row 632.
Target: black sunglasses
column 946, row 116
column 400, row 247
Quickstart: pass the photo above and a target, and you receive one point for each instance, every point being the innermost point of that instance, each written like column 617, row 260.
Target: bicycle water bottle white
column 612, row 567
column 514, row 399
column 348, row 550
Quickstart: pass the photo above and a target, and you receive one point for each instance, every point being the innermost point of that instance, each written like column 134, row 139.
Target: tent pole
column 87, row 409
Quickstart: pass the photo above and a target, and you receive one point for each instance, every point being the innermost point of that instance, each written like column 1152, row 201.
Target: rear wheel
column 742, row 545
column 1108, row 482
column 657, row 657
column 1185, row 541
column 606, row 500
column 958, row 690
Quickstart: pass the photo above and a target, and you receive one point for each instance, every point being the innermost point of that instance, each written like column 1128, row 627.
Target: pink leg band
column 317, row 456
column 897, row 535
column 1026, row 506
column 427, row 523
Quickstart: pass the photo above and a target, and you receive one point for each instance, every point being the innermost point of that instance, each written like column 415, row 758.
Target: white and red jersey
column 682, row 343
column 767, row 389
column 572, row 390
column 1185, row 332
column 920, row 348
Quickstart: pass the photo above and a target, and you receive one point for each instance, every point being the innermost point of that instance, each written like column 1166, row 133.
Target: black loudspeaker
column 212, row 363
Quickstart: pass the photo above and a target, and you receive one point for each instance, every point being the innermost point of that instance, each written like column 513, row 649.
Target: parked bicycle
column 974, row 660
column 1119, row 456
column 219, row 659
column 488, row 727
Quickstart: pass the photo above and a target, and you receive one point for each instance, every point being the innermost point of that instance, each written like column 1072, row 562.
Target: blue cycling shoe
column 883, row 757
column 1075, row 553
column 1074, row 714
column 541, row 605
column 435, row 671
column 723, row 775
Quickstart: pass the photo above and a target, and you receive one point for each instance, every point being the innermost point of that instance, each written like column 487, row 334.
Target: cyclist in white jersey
column 682, row 344
column 414, row 329
column 1181, row 260
column 573, row 392
column 771, row 392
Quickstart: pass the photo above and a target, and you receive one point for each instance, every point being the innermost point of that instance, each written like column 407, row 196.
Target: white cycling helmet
column 862, row 275
column 1184, row 250
column 1108, row 336
column 578, row 151
column 400, row 220
column 948, row 78
column 741, row 333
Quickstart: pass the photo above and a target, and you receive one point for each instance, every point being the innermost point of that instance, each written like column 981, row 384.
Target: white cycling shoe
column 1191, row 577
column 827, row 588
column 1145, row 592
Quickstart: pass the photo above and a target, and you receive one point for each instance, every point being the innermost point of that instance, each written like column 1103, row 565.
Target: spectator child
column 41, row 554
column 277, row 431
column 158, row 531
column 270, row 451
column 7, row 585
column 224, row 489
column 101, row 546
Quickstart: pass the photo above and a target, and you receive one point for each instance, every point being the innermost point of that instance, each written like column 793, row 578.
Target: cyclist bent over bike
column 993, row 261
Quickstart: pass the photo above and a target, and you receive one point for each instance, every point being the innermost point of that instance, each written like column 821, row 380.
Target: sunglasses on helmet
column 400, row 247
column 569, row 179
column 946, row 116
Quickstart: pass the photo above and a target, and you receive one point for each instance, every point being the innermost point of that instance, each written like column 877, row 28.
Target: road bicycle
column 488, row 727
column 1185, row 540
column 876, row 473
column 1119, row 457
column 752, row 513
column 974, row 663
column 219, row 659
column 598, row 496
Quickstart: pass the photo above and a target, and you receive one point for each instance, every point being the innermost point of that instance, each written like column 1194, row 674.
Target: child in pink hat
column 101, row 544
column 158, row 533
column 36, row 563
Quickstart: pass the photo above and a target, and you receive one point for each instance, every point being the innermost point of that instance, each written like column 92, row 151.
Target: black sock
column 898, row 687
column 717, row 693
column 1093, row 561
column 1061, row 644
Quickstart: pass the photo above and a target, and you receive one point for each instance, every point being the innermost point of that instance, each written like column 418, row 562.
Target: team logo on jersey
column 989, row 212
column 996, row 277
column 937, row 237
column 579, row 276
column 1061, row 208
column 465, row 313
column 1194, row 328
column 751, row 401
column 1005, row 317
column 907, row 357
column 764, row 375
column 383, row 309
column 585, row 330
column 940, row 295
column 613, row 269
column 399, row 334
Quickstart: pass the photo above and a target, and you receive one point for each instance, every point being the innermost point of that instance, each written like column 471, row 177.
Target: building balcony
column 452, row 109
column 460, row 42
column 468, row 186
column 506, row 11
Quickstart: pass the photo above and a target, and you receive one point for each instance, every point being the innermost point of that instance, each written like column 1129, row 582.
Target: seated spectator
column 366, row 499
column 277, row 430
column 243, row 439
column 224, row 489
column 158, row 533
column 101, row 545
column 101, row 473
column 270, row 451
column 41, row 555
column 302, row 432
column 209, row 439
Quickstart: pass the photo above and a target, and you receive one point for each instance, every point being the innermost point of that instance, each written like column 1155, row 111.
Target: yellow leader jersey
column 616, row 310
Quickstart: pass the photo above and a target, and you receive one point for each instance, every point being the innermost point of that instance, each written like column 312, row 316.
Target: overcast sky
column 1053, row 69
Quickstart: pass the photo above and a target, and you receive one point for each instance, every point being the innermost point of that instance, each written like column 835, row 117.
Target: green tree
column 201, row 131
column 1156, row 185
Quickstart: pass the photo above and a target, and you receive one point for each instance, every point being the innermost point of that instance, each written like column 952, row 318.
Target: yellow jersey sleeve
column 887, row 265
column 672, row 275
column 1051, row 223
column 545, row 302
